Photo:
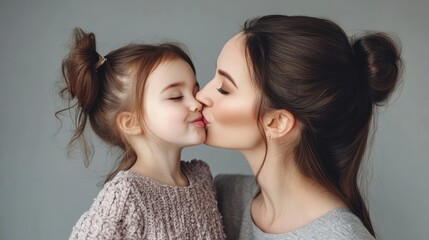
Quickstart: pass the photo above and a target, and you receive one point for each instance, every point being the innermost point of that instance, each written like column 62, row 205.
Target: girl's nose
column 196, row 107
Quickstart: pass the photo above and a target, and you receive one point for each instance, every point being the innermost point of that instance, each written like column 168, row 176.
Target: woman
column 296, row 97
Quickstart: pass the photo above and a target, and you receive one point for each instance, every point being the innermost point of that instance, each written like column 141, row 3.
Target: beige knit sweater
column 132, row 206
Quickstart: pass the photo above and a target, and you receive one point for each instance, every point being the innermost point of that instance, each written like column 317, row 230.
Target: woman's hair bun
column 380, row 64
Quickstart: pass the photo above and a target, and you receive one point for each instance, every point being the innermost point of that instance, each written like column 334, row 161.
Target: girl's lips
column 199, row 123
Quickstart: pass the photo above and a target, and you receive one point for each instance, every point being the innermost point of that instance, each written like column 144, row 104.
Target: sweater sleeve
column 111, row 216
column 234, row 193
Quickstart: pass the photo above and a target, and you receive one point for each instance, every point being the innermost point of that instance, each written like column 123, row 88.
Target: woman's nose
column 203, row 97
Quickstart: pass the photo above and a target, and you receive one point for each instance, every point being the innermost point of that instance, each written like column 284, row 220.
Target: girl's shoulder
column 123, row 184
column 196, row 168
column 115, row 193
column 114, row 206
column 195, row 164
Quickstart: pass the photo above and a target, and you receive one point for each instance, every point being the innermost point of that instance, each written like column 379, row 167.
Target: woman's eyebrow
column 227, row 76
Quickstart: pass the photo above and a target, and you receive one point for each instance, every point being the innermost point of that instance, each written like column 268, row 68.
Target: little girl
column 141, row 98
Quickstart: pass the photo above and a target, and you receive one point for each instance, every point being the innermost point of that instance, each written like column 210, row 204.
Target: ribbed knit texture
column 235, row 195
column 132, row 206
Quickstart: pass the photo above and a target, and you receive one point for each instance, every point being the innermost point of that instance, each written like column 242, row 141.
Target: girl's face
column 231, row 101
column 172, row 114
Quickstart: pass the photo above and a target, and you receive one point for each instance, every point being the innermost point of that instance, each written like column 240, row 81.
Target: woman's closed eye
column 222, row 91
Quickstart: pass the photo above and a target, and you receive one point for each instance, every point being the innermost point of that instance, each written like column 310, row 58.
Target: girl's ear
column 278, row 123
column 128, row 123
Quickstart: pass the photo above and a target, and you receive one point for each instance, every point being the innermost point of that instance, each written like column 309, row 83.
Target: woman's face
column 231, row 101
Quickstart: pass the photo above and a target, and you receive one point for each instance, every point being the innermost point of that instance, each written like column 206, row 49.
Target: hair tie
column 100, row 62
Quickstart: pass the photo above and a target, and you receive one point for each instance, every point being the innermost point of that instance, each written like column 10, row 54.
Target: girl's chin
column 200, row 140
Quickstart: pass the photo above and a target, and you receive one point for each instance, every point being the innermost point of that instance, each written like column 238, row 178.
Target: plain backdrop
column 43, row 192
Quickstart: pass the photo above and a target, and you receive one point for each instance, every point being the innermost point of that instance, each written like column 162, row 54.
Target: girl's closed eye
column 176, row 98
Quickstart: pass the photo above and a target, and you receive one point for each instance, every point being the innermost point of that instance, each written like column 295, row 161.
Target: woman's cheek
column 234, row 126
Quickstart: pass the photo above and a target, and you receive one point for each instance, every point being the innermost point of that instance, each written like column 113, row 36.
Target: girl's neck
column 162, row 164
column 287, row 199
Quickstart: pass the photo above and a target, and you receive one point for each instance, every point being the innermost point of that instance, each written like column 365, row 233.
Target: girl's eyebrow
column 227, row 76
column 172, row 85
column 179, row 84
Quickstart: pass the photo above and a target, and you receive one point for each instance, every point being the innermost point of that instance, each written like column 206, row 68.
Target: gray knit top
column 132, row 206
column 235, row 194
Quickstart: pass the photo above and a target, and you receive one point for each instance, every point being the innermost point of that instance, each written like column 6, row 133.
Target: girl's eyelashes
column 176, row 98
column 222, row 91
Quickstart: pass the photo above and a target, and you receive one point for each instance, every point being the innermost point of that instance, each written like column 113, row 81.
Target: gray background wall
column 43, row 193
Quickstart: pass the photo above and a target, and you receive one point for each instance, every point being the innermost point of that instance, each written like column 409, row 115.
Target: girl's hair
column 98, row 93
column 331, row 85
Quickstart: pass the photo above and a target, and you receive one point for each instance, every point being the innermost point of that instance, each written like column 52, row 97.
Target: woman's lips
column 205, row 121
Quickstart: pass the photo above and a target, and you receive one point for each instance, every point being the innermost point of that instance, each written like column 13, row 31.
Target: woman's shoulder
column 234, row 194
column 235, row 190
column 339, row 223
column 235, row 178
column 342, row 222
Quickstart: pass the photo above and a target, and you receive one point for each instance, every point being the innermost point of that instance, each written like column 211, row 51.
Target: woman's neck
column 160, row 163
column 287, row 199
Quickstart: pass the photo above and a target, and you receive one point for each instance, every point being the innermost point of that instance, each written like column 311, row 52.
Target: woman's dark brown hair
column 331, row 84
column 99, row 93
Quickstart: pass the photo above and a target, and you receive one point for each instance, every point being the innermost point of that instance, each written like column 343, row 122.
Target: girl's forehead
column 176, row 72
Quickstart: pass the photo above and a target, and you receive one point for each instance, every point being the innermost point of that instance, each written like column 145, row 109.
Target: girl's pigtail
column 82, row 74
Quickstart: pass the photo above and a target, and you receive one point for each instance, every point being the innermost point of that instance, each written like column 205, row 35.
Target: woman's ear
column 278, row 123
column 128, row 123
